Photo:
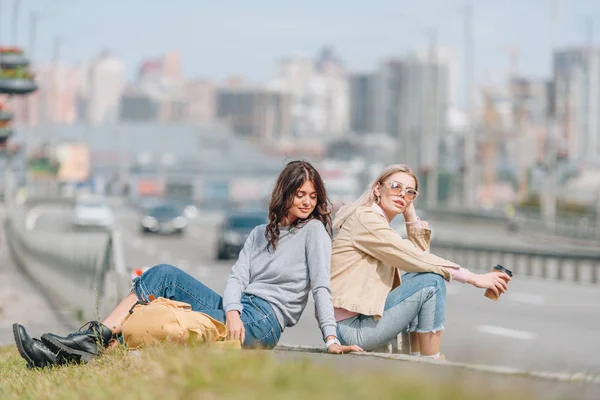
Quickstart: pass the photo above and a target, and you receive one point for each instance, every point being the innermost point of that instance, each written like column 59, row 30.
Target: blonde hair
column 368, row 197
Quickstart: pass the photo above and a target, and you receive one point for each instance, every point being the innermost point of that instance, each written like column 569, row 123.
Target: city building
column 319, row 94
column 171, row 66
column 362, row 91
column 424, row 99
column 388, row 91
column 256, row 112
column 200, row 98
column 102, row 88
column 137, row 106
column 577, row 102
column 158, row 94
column 55, row 101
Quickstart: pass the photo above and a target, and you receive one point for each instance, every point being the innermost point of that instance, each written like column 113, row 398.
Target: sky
column 220, row 38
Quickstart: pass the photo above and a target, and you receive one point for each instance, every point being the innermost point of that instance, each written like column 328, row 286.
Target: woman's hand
column 235, row 326
column 410, row 214
column 339, row 349
column 497, row 282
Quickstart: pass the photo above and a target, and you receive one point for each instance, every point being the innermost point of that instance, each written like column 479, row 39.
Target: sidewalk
column 485, row 378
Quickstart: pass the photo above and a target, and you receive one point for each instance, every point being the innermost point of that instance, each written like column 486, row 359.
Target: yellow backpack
column 164, row 320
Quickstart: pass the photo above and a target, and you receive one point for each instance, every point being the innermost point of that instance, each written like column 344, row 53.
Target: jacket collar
column 379, row 211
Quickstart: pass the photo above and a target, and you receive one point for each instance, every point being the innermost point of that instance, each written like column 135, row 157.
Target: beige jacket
column 366, row 255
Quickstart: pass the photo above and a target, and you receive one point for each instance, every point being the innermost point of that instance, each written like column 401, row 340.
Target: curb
column 565, row 377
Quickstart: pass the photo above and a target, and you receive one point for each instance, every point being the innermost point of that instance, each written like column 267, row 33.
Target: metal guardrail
column 562, row 265
column 84, row 276
column 577, row 227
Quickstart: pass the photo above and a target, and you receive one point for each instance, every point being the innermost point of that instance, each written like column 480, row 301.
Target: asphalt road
column 541, row 325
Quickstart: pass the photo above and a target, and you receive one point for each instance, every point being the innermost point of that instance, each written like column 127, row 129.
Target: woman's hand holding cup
column 494, row 282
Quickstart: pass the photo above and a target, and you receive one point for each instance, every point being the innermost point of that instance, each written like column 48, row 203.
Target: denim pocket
column 260, row 334
column 257, row 307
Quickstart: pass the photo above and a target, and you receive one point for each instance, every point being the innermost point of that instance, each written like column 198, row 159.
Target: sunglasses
column 396, row 189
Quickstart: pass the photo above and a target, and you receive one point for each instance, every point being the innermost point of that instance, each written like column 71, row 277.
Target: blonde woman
column 373, row 301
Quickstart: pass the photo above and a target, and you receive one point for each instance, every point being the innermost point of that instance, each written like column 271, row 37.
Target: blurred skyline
column 227, row 38
column 329, row 75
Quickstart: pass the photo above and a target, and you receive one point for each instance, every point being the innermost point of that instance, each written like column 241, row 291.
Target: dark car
column 164, row 219
column 234, row 231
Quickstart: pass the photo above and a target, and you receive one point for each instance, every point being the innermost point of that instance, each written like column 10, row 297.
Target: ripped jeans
column 417, row 305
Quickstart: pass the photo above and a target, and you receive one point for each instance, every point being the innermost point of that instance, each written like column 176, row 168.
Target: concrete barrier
column 83, row 275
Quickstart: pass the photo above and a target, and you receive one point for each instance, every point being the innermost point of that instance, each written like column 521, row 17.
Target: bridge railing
column 576, row 266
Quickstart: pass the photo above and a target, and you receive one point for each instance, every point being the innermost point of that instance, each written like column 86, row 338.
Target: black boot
column 81, row 346
column 34, row 351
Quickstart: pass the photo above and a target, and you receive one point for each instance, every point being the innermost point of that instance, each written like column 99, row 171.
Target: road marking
column 526, row 298
column 164, row 256
column 150, row 249
column 499, row 331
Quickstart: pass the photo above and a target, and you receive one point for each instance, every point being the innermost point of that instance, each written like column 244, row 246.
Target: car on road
column 188, row 208
column 234, row 231
column 92, row 212
column 166, row 219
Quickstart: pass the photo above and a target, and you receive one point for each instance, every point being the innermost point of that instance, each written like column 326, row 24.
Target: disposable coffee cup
column 489, row 293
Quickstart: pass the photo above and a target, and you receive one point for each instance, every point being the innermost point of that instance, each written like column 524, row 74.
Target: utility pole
column 592, row 117
column 548, row 198
column 33, row 20
column 432, row 114
column 1, row 13
column 591, row 142
column 468, row 170
column 8, row 173
column 54, row 109
column 15, row 22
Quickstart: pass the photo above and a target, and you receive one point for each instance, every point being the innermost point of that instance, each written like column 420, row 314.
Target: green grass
column 194, row 372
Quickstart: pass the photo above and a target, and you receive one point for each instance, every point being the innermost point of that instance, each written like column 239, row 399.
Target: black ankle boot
column 34, row 351
column 81, row 346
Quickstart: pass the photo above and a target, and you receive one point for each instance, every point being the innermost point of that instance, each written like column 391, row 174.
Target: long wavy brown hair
column 290, row 180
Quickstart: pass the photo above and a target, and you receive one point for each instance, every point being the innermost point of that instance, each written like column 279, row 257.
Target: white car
column 93, row 212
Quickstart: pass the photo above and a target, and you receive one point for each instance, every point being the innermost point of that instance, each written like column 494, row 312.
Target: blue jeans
column 417, row 305
column 261, row 324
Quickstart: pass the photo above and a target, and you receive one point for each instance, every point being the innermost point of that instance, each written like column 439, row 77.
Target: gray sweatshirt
column 285, row 276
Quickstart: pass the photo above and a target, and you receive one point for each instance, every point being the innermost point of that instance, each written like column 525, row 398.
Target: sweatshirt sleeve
column 318, row 256
column 239, row 278
column 373, row 235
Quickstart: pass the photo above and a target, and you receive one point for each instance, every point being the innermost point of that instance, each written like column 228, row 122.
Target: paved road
column 539, row 325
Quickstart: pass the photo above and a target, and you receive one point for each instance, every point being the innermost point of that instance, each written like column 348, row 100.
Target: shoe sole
column 72, row 354
column 19, row 343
